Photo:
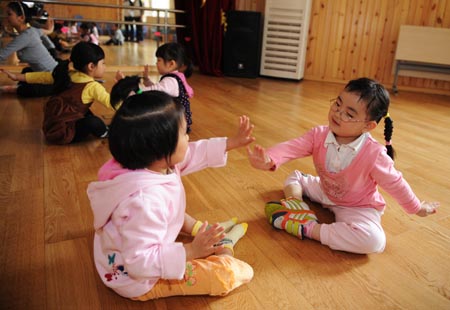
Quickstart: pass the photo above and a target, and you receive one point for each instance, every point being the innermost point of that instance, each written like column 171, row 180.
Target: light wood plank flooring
column 46, row 224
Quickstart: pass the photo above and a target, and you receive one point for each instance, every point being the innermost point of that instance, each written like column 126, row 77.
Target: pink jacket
column 138, row 214
column 356, row 185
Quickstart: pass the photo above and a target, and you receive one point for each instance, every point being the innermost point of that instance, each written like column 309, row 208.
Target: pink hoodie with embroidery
column 138, row 214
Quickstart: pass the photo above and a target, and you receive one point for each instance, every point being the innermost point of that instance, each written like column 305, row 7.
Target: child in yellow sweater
column 67, row 117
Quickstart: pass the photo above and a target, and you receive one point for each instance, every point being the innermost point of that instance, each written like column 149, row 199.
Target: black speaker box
column 242, row 44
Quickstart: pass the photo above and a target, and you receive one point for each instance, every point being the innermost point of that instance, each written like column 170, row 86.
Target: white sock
column 233, row 236
column 227, row 225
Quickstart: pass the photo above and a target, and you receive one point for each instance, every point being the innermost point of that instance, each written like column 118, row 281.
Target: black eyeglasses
column 344, row 116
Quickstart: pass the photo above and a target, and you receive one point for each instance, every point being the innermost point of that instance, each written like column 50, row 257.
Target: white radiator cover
column 286, row 24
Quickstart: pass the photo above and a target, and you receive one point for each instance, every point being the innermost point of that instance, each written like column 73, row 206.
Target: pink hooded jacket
column 138, row 214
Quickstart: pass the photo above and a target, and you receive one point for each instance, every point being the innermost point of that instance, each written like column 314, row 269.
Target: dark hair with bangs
column 83, row 53
column 376, row 98
column 20, row 9
column 175, row 51
column 145, row 129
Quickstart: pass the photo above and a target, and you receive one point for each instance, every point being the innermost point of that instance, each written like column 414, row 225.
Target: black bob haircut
column 175, row 51
column 145, row 129
column 83, row 53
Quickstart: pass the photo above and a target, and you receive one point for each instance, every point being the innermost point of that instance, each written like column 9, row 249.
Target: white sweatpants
column 356, row 230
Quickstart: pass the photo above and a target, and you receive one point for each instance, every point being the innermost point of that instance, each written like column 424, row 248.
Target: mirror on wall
column 130, row 53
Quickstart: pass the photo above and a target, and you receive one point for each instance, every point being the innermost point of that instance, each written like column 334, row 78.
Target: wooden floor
column 46, row 229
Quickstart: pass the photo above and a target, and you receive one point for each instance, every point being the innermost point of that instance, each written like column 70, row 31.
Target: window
column 158, row 4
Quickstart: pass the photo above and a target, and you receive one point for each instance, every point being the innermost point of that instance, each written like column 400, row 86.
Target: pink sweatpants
column 356, row 230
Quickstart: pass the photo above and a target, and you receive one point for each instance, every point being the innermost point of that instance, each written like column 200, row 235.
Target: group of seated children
column 62, row 38
column 88, row 32
column 139, row 202
column 39, row 46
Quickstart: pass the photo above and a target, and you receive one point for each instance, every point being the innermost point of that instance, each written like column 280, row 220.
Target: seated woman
column 29, row 48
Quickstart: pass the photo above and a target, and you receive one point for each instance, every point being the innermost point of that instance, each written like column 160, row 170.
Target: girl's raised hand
column 119, row 76
column 259, row 159
column 204, row 243
column 146, row 76
column 243, row 136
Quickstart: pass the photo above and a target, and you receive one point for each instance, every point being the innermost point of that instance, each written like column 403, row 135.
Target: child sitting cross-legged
column 67, row 114
column 139, row 206
column 350, row 165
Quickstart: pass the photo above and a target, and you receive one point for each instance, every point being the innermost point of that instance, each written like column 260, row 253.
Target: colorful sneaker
column 294, row 204
column 293, row 221
column 290, row 203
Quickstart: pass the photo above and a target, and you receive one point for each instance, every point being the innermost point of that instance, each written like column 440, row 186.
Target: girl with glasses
column 350, row 165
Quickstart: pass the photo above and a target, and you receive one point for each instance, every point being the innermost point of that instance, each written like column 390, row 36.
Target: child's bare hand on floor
column 428, row 208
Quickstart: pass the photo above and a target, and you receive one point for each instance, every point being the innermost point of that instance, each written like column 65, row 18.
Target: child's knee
column 376, row 243
column 360, row 238
column 372, row 240
column 293, row 179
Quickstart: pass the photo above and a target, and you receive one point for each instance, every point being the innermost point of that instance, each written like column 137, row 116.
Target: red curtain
column 203, row 34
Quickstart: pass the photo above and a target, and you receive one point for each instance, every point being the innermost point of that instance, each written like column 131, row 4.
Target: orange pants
column 214, row 275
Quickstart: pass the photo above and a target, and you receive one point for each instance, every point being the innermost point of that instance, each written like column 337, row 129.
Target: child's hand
column 11, row 75
column 243, row 136
column 427, row 208
column 204, row 243
column 146, row 77
column 119, row 76
column 259, row 159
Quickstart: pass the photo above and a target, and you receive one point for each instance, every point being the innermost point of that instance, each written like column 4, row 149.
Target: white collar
column 354, row 145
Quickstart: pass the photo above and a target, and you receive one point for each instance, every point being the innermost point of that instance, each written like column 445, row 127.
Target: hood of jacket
column 117, row 184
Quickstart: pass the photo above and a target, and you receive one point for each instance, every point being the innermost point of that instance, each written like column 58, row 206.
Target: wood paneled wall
column 354, row 38
column 347, row 38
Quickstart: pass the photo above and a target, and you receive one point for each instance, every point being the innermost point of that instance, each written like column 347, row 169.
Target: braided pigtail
column 388, row 129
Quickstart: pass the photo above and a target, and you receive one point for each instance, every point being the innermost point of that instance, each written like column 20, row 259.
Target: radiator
column 285, row 38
